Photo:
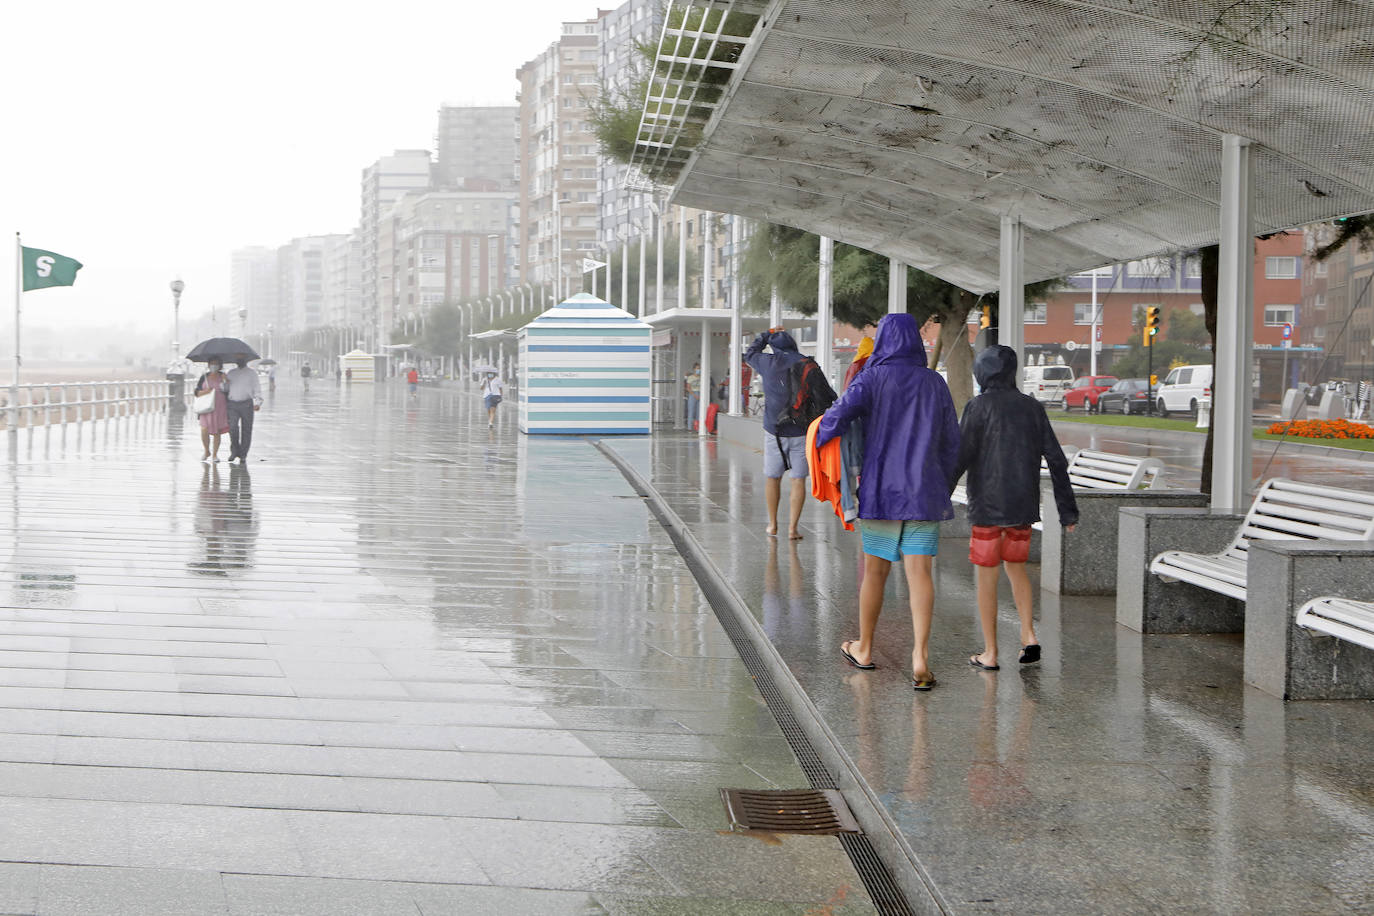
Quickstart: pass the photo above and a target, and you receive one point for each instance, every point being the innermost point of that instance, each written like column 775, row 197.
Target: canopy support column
column 896, row 287
column 624, row 273
column 708, row 256
column 1011, row 298
column 825, row 324
column 682, row 257
column 1235, row 330
column 775, row 304
column 736, row 318
column 658, row 261
column 708, row 394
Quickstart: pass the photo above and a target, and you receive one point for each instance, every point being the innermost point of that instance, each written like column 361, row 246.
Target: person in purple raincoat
column 911, row 445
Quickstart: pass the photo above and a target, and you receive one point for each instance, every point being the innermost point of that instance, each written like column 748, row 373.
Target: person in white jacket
column 491, row 396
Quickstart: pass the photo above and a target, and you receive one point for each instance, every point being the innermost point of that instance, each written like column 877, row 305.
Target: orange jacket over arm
column 827, row 471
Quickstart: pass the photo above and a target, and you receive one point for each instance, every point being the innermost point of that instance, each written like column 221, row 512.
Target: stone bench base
column 1085, row 562
column 1148, row 604
column 1285, row 660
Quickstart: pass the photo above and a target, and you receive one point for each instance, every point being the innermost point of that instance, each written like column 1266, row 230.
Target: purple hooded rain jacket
column 911, row 432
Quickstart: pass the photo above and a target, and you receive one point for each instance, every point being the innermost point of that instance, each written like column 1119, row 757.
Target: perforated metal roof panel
column 910, row 127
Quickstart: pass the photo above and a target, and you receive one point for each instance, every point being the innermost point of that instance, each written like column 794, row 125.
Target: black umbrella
column 224, row 349
column 268, row 362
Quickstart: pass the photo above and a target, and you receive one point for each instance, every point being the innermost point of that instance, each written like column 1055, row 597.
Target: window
column 1036, row 312
column 1192, row 268
column 1278, row 315
column 1281, row 268
column 1321, row 268
column 1154, row 268
column 1319, row 332
column 1083, row 313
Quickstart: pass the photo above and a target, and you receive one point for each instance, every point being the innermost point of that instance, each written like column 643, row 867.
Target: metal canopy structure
column 913, row 128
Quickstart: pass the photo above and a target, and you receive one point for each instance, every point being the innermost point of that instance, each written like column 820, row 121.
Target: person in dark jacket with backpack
column 1005, row 434
column 911, row 444
column 784, row 445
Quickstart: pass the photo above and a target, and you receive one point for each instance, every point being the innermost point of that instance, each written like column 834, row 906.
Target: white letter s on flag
column 44, row 265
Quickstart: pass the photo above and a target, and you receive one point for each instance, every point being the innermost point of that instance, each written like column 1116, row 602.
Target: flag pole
column 18, row 298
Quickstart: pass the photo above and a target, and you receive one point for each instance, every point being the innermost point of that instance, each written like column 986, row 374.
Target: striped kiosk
column 585, row 371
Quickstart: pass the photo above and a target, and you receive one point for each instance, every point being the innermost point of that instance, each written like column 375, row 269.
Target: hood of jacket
column 898, row 340
column 995, row 367
column 781, row 340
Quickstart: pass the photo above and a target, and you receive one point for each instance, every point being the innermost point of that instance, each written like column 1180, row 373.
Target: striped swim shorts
column 892, row 540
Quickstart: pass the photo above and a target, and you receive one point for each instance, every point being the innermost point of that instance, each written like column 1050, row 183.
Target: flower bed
column 1322, row 429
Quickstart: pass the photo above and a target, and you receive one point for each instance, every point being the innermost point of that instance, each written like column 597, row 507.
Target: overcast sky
column 149, row 139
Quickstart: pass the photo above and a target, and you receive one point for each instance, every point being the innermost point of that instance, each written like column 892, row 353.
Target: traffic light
column 1151, row 323
column 986, row 320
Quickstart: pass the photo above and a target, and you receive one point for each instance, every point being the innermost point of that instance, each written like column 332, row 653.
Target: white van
column 1046, row 384
column 1182, row 389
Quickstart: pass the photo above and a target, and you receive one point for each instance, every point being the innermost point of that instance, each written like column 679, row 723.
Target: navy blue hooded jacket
column 774, row 368
column 1005, row 434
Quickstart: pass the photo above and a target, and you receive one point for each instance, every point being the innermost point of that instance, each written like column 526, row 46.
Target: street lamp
column 269, row 341
column 176, row 286
column 558, row 217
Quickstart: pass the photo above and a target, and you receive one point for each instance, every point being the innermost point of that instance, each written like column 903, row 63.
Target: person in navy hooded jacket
column 911, row 444
column 1006, row 433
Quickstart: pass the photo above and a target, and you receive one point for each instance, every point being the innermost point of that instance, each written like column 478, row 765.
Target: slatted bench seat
column 1284, row 510
column 1343, row 618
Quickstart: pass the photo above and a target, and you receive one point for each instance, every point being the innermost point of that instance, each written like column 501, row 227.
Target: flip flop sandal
column 1030, row 654
column 853, row 661
column 924, row 683
column 973, row 660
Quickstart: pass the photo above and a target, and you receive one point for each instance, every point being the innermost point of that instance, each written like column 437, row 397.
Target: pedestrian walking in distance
column 911, row 445
column 244, row 399
column 784, row 444
column 1005, row 435
column 491, row 396
column 413, row 380
column 215, row 423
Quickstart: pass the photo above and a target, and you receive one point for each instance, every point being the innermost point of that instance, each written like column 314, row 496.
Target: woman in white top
column 491, row 396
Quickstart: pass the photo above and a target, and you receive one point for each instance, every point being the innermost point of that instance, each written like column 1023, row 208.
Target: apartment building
column 475, row 145
column 253, row 287
column 383, row 183
column 557, row 156
column 343, row 270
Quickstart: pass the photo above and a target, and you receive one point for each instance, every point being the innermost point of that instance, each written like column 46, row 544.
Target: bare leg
column 798, row 500
column 205, row 441
column 216, row 452
column 772, row 493
column 922, row 588
column 870, row 606
column 1025, row 601
column 987, row 612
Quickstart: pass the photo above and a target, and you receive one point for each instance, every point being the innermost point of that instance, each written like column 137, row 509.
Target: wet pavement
column 402, row 664
column 1123, row 774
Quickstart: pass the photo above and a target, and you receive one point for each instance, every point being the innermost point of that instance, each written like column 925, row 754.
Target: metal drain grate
column 809, row 811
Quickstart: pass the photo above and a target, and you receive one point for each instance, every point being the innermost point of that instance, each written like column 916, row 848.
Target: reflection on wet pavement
column 1122, row 774
column 398, row 664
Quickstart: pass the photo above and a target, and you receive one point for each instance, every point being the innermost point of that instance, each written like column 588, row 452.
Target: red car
column 1083, row 393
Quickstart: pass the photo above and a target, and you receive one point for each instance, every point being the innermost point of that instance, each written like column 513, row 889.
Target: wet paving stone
column 398, row 664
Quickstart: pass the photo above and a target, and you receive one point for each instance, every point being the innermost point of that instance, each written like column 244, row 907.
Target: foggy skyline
column 150, row 139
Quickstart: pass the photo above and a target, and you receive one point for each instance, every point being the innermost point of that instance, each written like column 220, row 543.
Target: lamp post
column 269, row 341
column 558, row 271
column 176, row 286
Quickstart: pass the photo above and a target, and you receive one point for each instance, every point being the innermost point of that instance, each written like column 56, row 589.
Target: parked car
column 1046, row 384
column 1127, row 396
column 1182, row 389
column 1084, row 392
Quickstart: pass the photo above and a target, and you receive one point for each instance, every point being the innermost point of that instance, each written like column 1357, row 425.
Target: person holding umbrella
column 214, row 422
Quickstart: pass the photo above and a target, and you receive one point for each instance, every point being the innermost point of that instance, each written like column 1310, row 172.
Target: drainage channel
column 891, row 873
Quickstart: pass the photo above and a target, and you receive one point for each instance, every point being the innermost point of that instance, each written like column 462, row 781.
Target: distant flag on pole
column 588, row 264
column 47, row 268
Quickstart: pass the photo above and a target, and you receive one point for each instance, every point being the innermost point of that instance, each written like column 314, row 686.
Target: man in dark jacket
column 784, row 445
column 911, row 443
column 1005, row 434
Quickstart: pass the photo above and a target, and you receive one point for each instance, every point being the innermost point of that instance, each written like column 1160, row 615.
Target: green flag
column 46, row 268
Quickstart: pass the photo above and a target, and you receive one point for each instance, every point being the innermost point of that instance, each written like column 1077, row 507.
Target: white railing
column 58, row 403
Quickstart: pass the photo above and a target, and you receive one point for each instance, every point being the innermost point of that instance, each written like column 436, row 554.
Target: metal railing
column 58, row 403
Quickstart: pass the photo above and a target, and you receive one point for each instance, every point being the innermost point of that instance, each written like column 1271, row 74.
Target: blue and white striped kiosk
column 585, row 371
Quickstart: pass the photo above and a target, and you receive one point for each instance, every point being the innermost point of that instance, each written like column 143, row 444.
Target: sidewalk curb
column 891, row 848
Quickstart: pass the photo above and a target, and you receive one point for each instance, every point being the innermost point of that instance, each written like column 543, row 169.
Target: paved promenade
column 1123, row 774
column 401, row 664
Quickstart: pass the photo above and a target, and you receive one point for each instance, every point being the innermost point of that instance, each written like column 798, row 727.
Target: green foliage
column 1185, row 326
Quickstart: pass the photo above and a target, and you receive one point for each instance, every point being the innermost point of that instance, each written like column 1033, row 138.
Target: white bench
column 1343, row 618
column 1284, row 510
column 1093, row 470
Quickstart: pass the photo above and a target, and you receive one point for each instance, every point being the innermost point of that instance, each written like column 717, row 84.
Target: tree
column 789, row 259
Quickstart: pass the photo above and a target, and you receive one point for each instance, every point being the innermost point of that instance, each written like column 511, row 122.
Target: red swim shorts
column 991, row 545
